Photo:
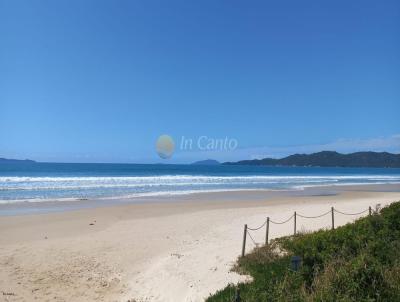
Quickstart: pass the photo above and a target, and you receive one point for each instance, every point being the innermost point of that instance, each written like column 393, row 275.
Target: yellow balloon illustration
column 165, row 146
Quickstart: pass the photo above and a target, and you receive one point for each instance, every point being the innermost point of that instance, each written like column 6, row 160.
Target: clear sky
column 93, row 81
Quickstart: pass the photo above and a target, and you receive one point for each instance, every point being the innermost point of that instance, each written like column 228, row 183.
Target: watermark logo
column 205, row 143
column 165, row 146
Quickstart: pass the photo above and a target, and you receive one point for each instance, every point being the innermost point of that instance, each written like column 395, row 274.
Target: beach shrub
column 359, row 261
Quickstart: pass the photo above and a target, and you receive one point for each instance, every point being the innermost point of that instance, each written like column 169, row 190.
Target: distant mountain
column 207, row 162
column 330, row 159
column 15, row 161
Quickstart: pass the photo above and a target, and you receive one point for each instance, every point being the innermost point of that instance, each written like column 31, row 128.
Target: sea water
column 53, row 181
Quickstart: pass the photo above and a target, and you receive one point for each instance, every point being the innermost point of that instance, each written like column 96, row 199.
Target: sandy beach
column 181, row 249
column 146, row 147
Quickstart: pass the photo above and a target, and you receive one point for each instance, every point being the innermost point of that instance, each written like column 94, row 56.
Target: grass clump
column 356, row 262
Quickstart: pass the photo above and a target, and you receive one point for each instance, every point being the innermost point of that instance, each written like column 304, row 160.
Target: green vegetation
column 329, row 159
column 355, row 262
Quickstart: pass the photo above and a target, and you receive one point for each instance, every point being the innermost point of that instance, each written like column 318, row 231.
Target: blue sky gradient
column 99, row 81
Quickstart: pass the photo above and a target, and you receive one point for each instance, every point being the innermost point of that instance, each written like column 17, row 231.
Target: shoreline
column 180, row 250
column 44, row 206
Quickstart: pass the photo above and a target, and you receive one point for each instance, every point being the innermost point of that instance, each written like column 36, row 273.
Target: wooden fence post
column 333, row 218
column 237, row 295
column 370, row 210
column 267, row 232
column 244, row 240
column 295, row 222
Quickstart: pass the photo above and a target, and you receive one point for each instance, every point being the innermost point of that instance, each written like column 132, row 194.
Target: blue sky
column 99, row 81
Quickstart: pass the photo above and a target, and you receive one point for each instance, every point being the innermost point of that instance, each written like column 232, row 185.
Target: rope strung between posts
column 266, row 223
column 282, row 222
column 252, row 239
column 359, row 213
column 318, row 216
column 308, row 217
column 256, row 229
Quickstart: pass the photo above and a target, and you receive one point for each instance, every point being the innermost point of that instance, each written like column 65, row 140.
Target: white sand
column 177, row 251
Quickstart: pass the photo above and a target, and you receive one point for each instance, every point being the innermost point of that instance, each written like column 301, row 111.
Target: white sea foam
column 188, row 177
column 37, row 188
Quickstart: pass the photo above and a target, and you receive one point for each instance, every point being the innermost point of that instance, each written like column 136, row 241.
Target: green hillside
column 329, row 159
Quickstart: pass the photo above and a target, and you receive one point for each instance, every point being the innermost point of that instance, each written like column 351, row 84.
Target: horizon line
column 189, row 163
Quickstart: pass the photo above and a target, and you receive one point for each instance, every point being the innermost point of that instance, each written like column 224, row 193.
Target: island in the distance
column 16, row 161
column 330, row 159
column 207, row 162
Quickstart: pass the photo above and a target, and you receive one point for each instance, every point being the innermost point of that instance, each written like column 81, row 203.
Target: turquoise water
column 44, row 181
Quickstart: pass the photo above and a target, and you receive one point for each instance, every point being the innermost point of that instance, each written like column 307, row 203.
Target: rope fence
column 349, row 214
column 332, row 211
column 282, row 222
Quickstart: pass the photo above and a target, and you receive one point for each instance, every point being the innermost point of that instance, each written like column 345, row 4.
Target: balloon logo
column 165, row 146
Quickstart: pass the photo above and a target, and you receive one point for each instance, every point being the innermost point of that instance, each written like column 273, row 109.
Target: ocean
column 56, row 181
